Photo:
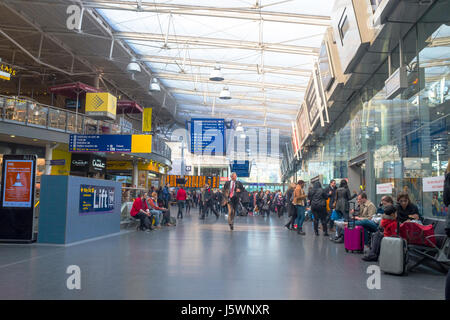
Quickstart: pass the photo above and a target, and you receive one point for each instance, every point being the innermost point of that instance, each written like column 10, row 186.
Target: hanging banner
column 101, row 106
column 433, row 184
column 147, row 120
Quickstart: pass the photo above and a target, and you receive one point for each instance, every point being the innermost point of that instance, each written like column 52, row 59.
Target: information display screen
column 18, row 189
column 242, row 168
column 100, row 143
column 208, row 136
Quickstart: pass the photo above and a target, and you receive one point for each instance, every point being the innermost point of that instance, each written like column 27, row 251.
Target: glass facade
column 408, row 136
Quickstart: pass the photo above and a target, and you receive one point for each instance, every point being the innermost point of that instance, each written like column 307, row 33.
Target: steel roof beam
column 230, row 82
column 220, row 43
column 226, row 65
column 259, row 108
column 234, row 96
column 254, row 14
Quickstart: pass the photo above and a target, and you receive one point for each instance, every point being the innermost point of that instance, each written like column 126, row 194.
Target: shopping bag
column 334, row 215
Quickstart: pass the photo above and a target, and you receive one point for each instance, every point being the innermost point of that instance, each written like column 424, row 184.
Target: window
column 343, row 26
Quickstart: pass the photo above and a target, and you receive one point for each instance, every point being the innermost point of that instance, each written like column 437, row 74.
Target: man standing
column 166, row 195
column 181, row 201
column 232, row 190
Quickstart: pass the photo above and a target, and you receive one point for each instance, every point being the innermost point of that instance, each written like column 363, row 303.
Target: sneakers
column 288, row 226
column 301, row 232
column 148, row 230
column 231, row 227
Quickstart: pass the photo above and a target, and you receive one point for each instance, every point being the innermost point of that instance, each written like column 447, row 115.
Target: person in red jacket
column 140, row 211
column 389, row 224
column 181, row 201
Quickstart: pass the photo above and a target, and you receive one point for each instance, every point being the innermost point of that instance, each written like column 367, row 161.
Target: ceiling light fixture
column 216, row 74
column 133, row 67
column 154, row 85
column 225, row 94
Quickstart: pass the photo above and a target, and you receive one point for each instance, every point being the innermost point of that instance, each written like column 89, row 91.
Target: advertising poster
column 18, row 183
column 96, row 199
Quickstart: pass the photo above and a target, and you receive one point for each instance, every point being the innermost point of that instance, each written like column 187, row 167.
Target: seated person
column 140, row 211
column 367, row 211
column 405, row 209
column 162, row 215
column 389, row 224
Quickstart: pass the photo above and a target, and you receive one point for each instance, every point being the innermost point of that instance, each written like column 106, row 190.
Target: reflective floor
column 199, row 259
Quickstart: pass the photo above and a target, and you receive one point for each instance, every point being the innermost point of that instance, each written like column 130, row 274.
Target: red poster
column 18, row 183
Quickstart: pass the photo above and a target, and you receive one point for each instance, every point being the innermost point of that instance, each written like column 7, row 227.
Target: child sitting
column 389, row 224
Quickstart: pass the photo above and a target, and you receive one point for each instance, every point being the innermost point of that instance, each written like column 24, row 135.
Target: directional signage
column 242, row 168
column 208, row 136
column 110, row 143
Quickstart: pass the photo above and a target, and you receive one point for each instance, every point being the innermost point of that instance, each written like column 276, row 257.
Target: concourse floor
column 198, row 259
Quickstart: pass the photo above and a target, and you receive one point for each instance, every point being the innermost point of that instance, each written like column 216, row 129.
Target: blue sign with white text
column 242, row 168
column 100, row 143
column 208, row 136
column 96, row 199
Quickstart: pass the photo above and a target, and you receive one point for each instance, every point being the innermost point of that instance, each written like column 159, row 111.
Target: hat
column 389, row 210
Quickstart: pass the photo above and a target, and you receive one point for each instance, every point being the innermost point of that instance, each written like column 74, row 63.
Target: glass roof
column 266, row 50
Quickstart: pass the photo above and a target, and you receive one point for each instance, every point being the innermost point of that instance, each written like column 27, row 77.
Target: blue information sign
column 100, row 143
column 208, row 136
column 242, row 168
column 96, row 199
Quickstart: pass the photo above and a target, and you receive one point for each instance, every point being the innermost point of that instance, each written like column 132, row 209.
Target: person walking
column 208, row 202
column 331, row 192
column 280, row 203
column 232, row 191
column 292, row 213
column 181, row 202
column 166, row 195
column 318, row 198
column 299, row 203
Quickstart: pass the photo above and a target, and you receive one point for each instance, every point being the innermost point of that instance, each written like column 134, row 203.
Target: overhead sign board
column 193, row 181
column 110, row 143
column 101, row 105
column 208, row 136
column 303, row 125
column 242, row 168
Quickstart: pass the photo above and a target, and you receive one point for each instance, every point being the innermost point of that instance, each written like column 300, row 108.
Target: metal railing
column 30, row 113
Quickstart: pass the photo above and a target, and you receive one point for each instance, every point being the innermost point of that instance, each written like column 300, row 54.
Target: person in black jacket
column 331, row 192
column 232, row 191
column 318, row 198
column 406, row 210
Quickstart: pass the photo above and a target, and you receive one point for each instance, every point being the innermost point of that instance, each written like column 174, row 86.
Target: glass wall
column 408, row 136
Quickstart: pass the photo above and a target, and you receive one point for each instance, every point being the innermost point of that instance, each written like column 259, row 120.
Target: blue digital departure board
column 242, row 168
column 208, row 136
column 100, row 143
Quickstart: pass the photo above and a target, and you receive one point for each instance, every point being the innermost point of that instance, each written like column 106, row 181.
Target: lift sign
column 96, row 199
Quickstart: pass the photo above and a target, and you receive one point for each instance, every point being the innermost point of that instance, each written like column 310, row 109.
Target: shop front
column 389, row 142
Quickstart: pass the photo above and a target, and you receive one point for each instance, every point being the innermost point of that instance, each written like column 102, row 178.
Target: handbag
column 334, row 215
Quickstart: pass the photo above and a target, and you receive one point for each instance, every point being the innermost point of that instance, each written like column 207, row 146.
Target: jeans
column 157, row 214
column 300, row 216
column 181, row 204
column 368, row 225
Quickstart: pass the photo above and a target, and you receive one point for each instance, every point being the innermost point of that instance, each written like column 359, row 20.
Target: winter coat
column 318, row 196
column 299, row 196
column 389, row 224
column 447, row 190
column 343, row 196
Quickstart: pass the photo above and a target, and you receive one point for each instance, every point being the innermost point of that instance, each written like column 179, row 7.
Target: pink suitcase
column 354, row 239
